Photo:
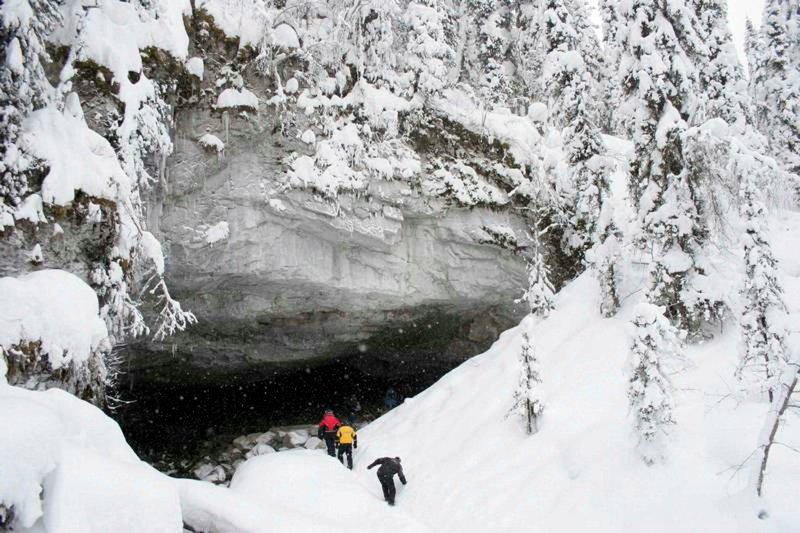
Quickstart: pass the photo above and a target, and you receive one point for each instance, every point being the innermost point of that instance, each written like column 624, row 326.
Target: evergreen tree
column 370, row 35
column 721, row 77
column 776, row 84
column 428, row 55
column 569, row 89
column 594, row 58
column 605, row 258
column 23, row 86
column 490, row 51
column 539, row 294
column 528, row 49
column 754, row 51
column 660, row 81
column 610, row 88
column 654, row 344
column 528, row 401
column 761, row 329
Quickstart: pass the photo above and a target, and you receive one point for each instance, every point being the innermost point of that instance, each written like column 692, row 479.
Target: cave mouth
column 174, row 426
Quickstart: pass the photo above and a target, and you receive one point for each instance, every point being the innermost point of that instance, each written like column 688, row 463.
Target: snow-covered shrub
column 211, row 142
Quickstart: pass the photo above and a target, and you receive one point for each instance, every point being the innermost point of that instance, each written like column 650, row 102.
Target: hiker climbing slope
column 389, row 467
column 327, row 431
column 348, row 441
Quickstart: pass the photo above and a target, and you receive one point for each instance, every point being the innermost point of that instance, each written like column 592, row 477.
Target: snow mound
column 65, row 466
column 31, row 209
column 284, row 36
column 244, row 19
column 195, row 67
column 115, row 31
column 212, row 142
column 216, row 233
column 56, row 308
column 237, row 98
column 77, row 157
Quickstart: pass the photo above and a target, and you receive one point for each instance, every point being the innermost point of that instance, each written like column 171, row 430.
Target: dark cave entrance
column 174, row 426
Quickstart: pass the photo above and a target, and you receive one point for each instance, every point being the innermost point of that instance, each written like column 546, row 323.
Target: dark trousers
column 330, row 442
column 346, row 449
column 387, row 484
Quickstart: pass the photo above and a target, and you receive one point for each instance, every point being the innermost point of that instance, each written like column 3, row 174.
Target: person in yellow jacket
column 348, row 441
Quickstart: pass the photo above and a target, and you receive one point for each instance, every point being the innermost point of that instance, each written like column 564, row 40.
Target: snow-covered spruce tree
column 370, row 31
column 762, row 327
column 610, row 88
column 605, row 257
column 528, row 403
column 660, row 83
column 23, row 87
column 486, row 53
column 428, row 55
column 594, row 58
column 776, row 80
column 654, row 343
column 569, row 89
column 539, row 293
column 721, row 77
column 527, row 48
column 754, row 52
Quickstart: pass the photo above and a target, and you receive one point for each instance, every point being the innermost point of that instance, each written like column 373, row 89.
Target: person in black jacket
column 389, row 466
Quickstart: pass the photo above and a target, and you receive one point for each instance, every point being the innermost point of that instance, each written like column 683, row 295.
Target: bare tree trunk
column 772, row 422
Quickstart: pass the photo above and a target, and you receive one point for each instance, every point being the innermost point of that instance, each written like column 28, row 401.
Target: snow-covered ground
column 469, row 467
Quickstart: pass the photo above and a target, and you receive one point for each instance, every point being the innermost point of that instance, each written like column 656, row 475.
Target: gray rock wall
column 282, row 276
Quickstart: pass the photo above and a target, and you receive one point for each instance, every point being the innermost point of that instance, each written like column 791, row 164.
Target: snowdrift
column 65, row 466
column 55, row 308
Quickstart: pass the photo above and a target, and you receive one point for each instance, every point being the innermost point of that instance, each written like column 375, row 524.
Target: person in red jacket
column 327, row 431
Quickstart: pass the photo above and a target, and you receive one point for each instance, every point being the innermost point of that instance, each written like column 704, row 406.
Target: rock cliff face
column 309, row 215
column 279, row 275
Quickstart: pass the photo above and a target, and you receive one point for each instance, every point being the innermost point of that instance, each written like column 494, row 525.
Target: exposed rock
column 313, row 443
column 312, row 279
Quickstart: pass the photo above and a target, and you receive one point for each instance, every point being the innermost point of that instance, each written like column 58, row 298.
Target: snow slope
column 469, row 469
